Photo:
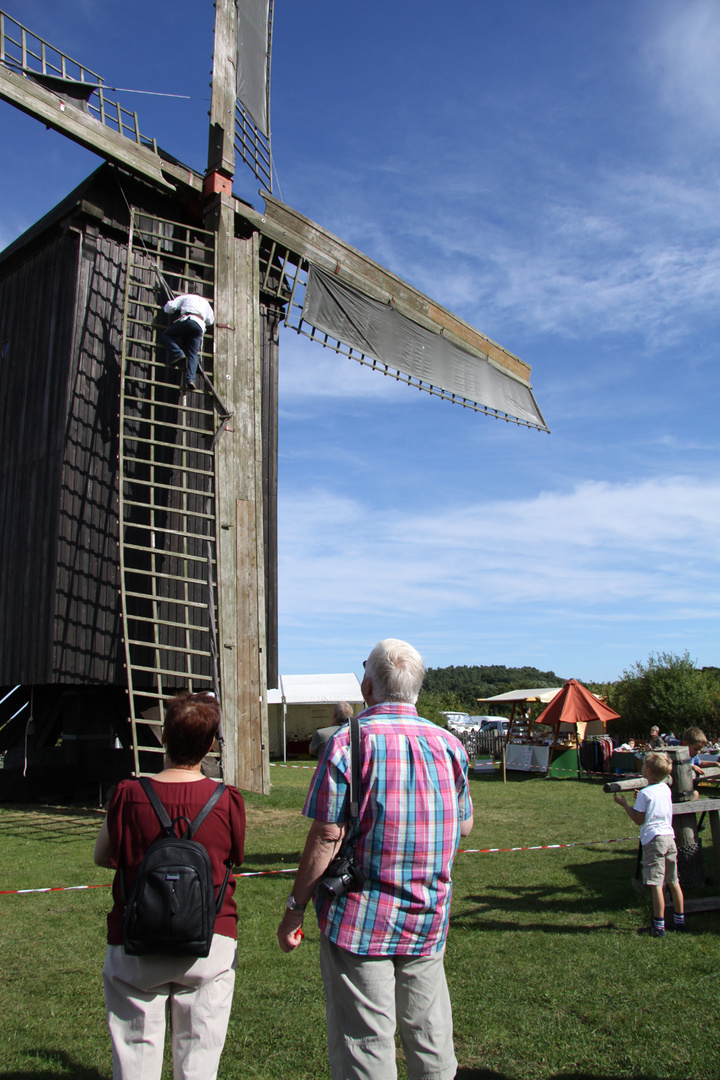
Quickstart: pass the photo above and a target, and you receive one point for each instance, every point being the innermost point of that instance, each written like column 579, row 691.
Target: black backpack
column 172, row 907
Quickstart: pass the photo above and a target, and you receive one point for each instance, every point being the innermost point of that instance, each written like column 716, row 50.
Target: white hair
column 396, row 671
column 342, row 712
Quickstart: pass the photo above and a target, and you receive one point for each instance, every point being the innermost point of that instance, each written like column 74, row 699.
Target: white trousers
column 365, row 996
column 196, row 993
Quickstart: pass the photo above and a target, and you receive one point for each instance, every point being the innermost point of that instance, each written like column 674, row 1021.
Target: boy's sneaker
column 677, row 927
column 651, row 931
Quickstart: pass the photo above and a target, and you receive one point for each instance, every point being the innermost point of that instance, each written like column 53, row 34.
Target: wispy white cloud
column 631, row 245
column 615, row 550
column 683, row 53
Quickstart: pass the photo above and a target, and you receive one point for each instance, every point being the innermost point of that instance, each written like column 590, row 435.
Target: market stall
column 578, row 716
column 572, row 712
column 523, row 752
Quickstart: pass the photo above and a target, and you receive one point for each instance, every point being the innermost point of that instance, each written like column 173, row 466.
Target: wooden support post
column 241, row 584
column 238, row 459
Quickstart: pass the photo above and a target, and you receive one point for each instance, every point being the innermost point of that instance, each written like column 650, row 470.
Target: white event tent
column 303, row 703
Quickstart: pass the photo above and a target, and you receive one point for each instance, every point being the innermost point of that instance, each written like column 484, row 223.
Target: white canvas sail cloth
column 253, row 60
column 379, row 331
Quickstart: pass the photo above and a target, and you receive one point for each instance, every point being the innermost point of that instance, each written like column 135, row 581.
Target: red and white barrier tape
column 542, row 847
column 284, row 765
column 293, row 869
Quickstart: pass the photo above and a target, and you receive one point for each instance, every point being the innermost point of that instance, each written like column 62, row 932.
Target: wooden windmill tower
column 139, row 548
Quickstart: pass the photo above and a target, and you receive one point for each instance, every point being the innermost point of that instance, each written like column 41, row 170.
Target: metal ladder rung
column 179, row 652
column 172, row 674
column 169, row 623
column 176, row 487
column 168, row 555
column 163, row 576
column 175, row 511
column 174, row 446
column 164, row 600
column 166, row 405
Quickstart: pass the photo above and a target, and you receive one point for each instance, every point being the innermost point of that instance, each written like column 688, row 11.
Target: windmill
column 149, row 514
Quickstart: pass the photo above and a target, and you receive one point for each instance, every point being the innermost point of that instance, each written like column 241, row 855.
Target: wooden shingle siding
column 36, row 329
column 87, row 634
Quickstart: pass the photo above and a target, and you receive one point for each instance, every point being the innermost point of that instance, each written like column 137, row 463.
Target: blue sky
column 548, row 171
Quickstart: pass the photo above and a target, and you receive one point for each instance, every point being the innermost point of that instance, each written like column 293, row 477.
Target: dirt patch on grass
column 259, row 817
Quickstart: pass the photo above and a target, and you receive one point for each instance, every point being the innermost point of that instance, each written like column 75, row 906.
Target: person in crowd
column 196, row 993
column 183, row 338
column 655, row 742
column 696, row 740
column 653, row 813
column 341, row 714
column 382, row 946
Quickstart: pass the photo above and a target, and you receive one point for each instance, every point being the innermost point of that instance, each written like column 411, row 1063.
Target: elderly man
column 382, row 947
column 341, row 714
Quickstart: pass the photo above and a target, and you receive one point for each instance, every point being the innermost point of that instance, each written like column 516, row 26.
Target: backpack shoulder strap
column 157, row 805
column 195, row 824
column 209, row 805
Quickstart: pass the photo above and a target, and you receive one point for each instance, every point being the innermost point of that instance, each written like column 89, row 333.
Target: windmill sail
column 380, row 331
column 252, row 111
column 336, row 295
column 253, row 60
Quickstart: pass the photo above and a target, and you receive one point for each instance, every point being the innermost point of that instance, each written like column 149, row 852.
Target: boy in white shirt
column 653, row 813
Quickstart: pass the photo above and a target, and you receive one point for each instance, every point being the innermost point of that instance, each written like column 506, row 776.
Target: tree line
column 668, row 689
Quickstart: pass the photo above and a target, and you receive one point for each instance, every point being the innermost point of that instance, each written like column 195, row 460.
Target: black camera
column 343, row 875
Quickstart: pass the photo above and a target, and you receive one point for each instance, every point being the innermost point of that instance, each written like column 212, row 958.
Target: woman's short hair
column 191, row 724
column 396, row 671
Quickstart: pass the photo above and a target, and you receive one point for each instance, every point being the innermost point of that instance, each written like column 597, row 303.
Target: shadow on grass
column 58, row 1064
column 274, row 860
column 600, row 885
column 502, row 907
column 56, row 823
column 492, row 925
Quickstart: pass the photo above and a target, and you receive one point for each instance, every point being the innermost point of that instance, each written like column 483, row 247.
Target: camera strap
column 355, row 778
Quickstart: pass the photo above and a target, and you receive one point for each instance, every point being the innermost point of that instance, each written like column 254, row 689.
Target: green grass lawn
column 547, row 975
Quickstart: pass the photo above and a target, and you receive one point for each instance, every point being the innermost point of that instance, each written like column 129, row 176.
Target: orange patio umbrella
column 579, row 709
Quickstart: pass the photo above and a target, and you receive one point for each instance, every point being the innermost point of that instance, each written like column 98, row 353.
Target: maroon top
column 133, row 826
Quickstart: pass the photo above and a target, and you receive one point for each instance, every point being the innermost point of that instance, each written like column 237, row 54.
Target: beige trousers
column 365, row 996
column 196, row 994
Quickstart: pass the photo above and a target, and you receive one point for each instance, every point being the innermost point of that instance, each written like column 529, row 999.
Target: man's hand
column 321, row 846
column 289, row 932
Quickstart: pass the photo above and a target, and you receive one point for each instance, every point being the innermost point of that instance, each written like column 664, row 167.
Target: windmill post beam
column 310, row 241
column 239, row 503
column 84, row 129
column 221, row 142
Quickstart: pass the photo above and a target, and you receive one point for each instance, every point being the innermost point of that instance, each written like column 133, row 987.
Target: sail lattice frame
column 29, row 55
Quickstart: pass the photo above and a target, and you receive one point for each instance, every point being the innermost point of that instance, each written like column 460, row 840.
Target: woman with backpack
column 172, row 935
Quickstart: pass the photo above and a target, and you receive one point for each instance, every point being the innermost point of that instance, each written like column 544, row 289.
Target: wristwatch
column 292, row 905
